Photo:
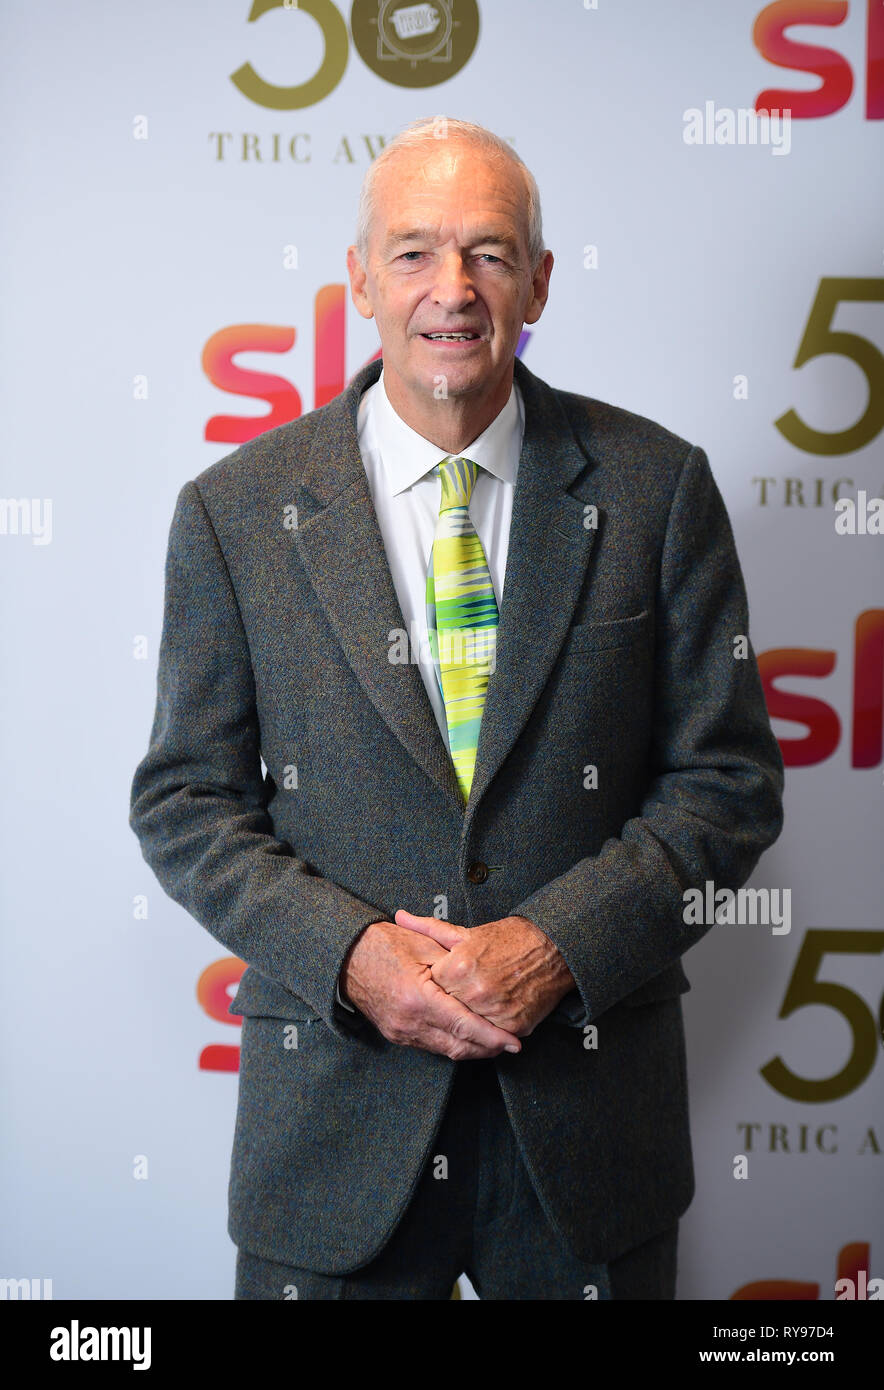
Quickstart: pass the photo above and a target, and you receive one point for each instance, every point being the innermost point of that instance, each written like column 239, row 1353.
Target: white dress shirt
column 406, row 493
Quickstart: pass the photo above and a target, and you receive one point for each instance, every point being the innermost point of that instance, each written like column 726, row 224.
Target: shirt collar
column 407, row 456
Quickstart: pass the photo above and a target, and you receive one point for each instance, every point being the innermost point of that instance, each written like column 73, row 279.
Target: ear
column 358, row 278
column 540, row 288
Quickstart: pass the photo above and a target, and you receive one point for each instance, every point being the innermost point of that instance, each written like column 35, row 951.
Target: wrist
column 564, row 980
column 347, row 986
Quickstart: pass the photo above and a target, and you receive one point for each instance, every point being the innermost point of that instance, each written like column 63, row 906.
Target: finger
column 495, row 1011
column 441, row 973
column 447, row 934
column 462, row 1023
column 438, row 1040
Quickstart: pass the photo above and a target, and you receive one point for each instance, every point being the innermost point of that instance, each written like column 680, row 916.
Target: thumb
column 447, row 934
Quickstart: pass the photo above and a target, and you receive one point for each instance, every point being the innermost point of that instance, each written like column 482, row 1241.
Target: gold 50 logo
column 410, row 45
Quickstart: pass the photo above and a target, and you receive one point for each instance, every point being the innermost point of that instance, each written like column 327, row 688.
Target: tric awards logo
column 407, row 45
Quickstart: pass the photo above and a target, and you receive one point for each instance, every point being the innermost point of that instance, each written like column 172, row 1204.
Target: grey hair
column 427, row 131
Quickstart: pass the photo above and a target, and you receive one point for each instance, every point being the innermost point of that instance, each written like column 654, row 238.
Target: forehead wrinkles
column 451, row 189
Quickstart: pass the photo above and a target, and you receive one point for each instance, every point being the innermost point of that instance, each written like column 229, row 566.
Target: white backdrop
column 128, row 244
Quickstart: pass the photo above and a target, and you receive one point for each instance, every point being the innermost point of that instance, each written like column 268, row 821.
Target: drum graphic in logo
column 415, row 45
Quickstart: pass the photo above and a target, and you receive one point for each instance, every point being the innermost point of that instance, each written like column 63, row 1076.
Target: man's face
column 448, row 252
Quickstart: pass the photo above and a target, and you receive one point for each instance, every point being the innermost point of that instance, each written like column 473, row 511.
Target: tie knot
column 458, row 480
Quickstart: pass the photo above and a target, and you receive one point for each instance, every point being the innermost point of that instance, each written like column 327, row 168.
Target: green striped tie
column 461, row 616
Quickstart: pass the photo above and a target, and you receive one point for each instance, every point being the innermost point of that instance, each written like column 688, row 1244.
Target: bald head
column 434, row 143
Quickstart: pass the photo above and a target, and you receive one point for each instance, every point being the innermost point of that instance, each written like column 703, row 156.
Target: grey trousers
column 474, row 1212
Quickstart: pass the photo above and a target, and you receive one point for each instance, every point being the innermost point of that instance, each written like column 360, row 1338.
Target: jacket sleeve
column 199, row 802
column 713, row 801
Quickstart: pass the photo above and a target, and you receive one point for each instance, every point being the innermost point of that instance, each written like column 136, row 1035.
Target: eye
column 406, row 254
column 487, row 256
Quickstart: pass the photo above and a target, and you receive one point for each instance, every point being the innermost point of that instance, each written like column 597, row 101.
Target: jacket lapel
column 547, row 558
column 341, row 546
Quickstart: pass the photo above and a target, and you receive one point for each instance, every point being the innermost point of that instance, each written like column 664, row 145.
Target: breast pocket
column 614, row 632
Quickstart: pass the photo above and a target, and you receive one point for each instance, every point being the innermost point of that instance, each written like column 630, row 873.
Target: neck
column 451, row 424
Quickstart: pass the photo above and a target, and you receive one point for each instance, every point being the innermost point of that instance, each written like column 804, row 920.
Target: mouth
column 456, row 339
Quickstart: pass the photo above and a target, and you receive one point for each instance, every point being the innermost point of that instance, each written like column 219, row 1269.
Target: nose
column 453, row 288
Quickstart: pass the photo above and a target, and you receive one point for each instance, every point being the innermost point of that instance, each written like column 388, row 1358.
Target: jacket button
column 477, row 872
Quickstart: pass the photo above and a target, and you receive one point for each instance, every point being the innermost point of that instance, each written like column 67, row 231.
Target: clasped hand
column 463, row 993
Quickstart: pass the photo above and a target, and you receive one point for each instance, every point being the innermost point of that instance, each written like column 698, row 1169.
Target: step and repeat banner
column 181, row 186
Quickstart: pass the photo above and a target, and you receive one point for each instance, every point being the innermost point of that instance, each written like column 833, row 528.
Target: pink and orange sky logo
column 283, row 397
column 832, row 68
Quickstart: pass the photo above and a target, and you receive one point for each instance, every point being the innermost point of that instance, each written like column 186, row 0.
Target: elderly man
column 484, row 635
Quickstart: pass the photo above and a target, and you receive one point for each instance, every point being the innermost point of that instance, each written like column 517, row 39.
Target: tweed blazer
column 296, row 788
